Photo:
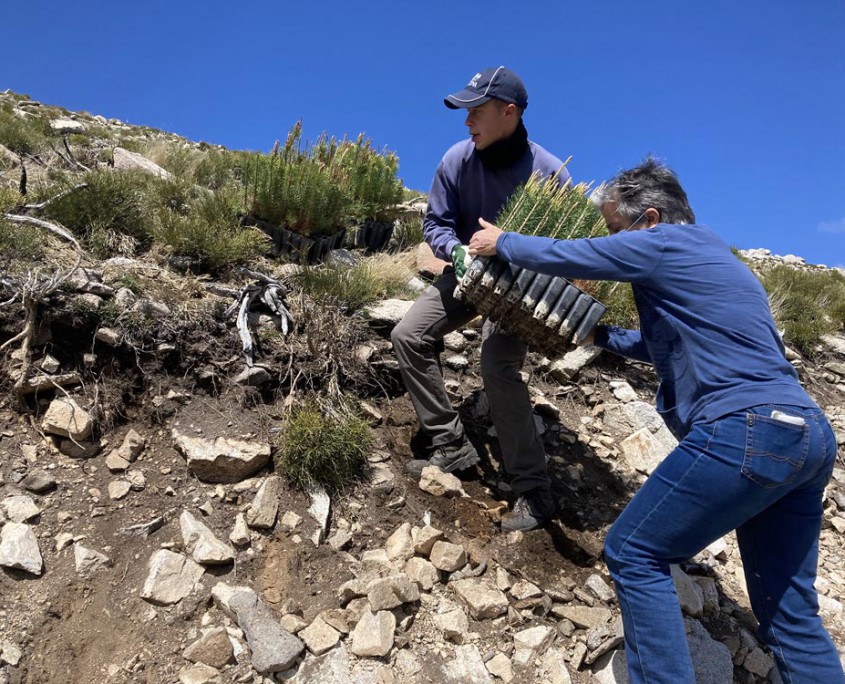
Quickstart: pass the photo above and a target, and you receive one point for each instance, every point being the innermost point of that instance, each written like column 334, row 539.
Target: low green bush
column 805, row 304
column 17, row 241
column 352, row 287
column 322, row 448
column 23, row 135
column 112, row 215
column 293, row 189
column 207, row 229
column 407, row 234
column 370, row 176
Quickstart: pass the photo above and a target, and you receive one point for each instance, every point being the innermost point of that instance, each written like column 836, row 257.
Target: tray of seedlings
column 549, row 312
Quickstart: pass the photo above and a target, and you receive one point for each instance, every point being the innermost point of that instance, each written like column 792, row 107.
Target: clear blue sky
column 746, row 100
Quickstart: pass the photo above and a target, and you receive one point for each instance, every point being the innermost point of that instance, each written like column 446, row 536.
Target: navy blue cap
column 495, row 83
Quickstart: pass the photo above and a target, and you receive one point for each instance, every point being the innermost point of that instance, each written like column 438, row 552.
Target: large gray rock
column 711, row 660
column 201, row 543
column 171, row 577
column 67, row 126
column 690, row 594
column 222, row 593
column 388, row 311
column 223, row 459
column 66, row 418
column 265, row 506
column 19, row 548
column 273, row 648
column 126, row 160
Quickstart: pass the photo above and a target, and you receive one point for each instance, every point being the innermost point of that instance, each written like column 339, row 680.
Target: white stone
column 239, row 535
column 222, row 459
column 453, row 624
column 422, row 572
column 425, row 539
column 466, row 667
column 373, row 635
column 126, row 160
column 481, row 597
column 319, row 637
column 568, row 367
column 265, row 506
column 400, row 544
column 437, row 483
column 500, row 666
column 386, row 593
column 600, row 588
column 118, row 489
column 66, row 418
column 19, row 548
column 388, row 311
column 201, row 543
column 537, row 639
column 20, row 508
column 88, row 562
column 67, row 126
column 447, row 556
column 171, row 577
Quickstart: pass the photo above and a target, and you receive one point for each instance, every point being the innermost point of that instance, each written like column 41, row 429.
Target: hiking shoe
column 457, row 455
column 531, row 510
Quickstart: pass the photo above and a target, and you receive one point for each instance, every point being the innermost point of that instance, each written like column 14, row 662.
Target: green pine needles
column 321, row 188
column 540, row 207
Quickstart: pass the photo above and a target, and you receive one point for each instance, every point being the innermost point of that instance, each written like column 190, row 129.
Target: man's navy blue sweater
column 464, row 190
column 705, row 321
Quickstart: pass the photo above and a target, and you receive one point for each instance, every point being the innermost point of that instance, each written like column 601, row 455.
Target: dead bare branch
column 46, row 225
column 46, row 203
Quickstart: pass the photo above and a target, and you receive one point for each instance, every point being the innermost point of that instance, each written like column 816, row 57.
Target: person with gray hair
column 755, row 452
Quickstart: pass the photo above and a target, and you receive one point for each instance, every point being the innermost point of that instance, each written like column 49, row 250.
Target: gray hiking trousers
column 435, row 314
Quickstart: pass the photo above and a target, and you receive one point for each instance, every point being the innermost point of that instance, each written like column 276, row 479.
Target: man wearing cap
column 474, row 180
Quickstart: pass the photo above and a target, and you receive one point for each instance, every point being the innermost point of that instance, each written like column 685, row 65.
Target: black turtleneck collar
column 504, row 153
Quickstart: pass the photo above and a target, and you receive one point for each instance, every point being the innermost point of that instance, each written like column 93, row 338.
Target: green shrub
column 207, row 229
column 293, row 189
column 322, row 448
column 370, row 176
column 352, row 287
column 17, row 241
column 112, row 214
column 805, row 304
column 204, row 166
column 22, row 135
column 407, row 233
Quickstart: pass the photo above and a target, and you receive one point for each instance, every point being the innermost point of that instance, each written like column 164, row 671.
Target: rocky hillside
column 151, row 533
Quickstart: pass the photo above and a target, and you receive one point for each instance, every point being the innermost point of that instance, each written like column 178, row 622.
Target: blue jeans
column 764, row 478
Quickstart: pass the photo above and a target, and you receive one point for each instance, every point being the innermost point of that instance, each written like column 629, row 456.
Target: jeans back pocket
column 774, row 450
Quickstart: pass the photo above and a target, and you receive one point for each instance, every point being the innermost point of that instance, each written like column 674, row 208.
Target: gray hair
column 649, row 185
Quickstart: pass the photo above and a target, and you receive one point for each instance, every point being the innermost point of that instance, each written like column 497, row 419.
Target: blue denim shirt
column 705, row 321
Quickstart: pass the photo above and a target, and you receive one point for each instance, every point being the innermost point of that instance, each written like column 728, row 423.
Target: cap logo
column 473, row 82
